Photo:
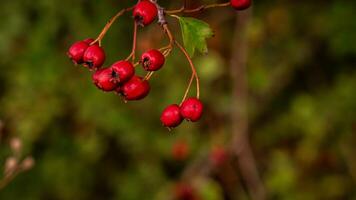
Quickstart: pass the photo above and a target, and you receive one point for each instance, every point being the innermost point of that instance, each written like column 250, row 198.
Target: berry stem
column 188, row 88
column 8, row 177
column 148, row 76
column 199, row 9
column 168, row 49
column 133, row 52
column 192, row 66
column 109, row 24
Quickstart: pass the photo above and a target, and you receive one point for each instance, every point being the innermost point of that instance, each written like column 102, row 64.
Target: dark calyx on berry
column 94, row 57
column 152, row 60
column 171, row 116
column 124, row 71
column 145, row 12
column 192, row 109
column 135, row 89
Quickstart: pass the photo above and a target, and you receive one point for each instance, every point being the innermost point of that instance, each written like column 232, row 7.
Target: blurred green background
column 91, row 145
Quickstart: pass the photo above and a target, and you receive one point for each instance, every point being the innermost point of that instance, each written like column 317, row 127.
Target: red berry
column 104, row 80
column 152, row 60
column 94, row 57
column 218, row 156
column 192, row 109
column 240, row 4
column 135, row 89
column 171, row 116
column 89, row 40
column 124, row 71
column 180, row 150
column 145, row 12
column 76, row 51
column 183, row 191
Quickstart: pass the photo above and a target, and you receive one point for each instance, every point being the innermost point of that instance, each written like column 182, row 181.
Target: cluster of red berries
column 191, row 110
column 120, row 77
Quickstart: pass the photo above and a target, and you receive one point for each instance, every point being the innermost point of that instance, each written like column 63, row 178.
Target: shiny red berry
column 104, row 79
column 89, row 40
column 94, row 57
column 145, row 12
column 171, row 116
column 135, row 89
column 76, row 52
column 192, row 109
column 152, row 60
column 124, row 71
column 240, row 4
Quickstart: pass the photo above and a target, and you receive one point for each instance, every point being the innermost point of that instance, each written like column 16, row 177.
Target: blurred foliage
column 91, row 145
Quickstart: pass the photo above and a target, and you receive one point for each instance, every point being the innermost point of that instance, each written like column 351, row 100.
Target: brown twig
column 183, row 9
column 108, row 25
column 188, row 88
column 192, row 67
column 133, row 51
column 240, row 145
column 168, row 49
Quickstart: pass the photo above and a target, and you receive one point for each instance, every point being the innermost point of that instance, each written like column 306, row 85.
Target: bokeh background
column 301, row 101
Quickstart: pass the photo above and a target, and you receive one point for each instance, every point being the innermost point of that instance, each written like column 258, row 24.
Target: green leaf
column 194, row 33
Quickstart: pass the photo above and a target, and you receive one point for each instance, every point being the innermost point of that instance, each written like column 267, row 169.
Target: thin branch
column 168, row 49
column 192, row 67
column 188, row 89
column 240, row 142
column 133, row 51
column 109, row 24
column 183, row 9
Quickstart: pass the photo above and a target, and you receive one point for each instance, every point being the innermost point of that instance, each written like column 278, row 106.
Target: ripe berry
column 192, row 109
column 145, row 12
column 240, row 4
column 135, row 89
column 104, row 79
column 124, row 71
column 180, row 150
column 218, row 156
column 183, row 191
column 152, row 60
column 76, row 51
column 94, row 57
column 89, row 40
column 171, row 116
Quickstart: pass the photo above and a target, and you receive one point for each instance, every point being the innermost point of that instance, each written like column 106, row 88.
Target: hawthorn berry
column 184, row 191
column 94, row 57
column 192, row 109
column 76, row 51
column 89, row 40
column 124, row 71
column 104, row 79
column 152, row 60
column 240, row 4
column 180, row 150
column 135, row 89
column 171, row 116
column 145, row 12
column 218, row 156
